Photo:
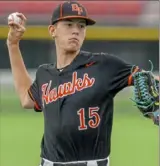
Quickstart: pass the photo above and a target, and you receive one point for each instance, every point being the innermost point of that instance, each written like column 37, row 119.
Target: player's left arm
column 145, row 85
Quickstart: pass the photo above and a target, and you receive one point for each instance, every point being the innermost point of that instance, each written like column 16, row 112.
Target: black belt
column 85, row 163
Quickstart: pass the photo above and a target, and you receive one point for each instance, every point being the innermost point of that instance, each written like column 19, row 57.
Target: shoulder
column 112, row 62
column 113, row 59
column 102, row 56
column 98, row 54
column 110, row 57
column 44, row 67
column 95, row 55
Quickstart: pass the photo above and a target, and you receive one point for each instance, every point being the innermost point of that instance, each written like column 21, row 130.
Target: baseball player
column 76, row 93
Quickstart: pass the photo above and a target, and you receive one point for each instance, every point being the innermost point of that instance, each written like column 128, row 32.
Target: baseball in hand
column 13, row 17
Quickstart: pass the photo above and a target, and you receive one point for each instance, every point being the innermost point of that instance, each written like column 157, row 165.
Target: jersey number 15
column 94, row 118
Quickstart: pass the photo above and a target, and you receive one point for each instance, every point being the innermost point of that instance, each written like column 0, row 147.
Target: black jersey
column 77, row 104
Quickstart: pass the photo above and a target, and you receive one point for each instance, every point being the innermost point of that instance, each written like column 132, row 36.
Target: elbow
column 26, row 102
column 27, row 105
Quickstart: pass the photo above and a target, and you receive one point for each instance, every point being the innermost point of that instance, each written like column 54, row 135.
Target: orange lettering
column 77, row 84
column 67, row 88
column 44, row 95
column 53, row 95
column 88, row 82
column 76, row 8
column 60, row 91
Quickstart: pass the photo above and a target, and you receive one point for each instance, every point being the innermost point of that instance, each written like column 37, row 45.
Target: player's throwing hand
column 16, row 22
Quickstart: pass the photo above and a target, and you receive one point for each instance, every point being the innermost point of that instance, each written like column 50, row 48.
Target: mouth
column 74, row 39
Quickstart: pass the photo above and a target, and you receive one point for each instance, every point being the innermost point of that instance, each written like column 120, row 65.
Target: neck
column 65, row 58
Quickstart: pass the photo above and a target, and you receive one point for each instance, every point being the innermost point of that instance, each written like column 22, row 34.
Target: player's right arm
column 22, row 80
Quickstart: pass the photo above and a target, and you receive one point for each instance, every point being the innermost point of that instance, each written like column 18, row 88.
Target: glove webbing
column 144, row 99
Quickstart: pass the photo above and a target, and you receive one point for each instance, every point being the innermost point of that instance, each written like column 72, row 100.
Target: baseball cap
column 69, row 10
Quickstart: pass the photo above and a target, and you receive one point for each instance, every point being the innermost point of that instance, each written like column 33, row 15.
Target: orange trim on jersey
column 31, row 95
column 35, row 103
column 130, row 76
column 61, row 8
column 37, row 106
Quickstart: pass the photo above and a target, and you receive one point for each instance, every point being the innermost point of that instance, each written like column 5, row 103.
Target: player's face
column 70, row 34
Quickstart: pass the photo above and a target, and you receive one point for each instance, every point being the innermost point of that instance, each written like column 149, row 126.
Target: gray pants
column 100, row 162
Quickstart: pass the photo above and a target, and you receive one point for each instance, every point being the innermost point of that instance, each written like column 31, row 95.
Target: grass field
column 134, row 138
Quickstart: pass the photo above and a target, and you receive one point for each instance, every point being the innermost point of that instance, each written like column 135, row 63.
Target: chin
column 72, row 49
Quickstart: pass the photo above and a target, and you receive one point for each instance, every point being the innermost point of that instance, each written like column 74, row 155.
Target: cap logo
column 76, row 8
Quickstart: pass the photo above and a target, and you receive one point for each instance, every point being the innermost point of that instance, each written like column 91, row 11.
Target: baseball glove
column 146, row 94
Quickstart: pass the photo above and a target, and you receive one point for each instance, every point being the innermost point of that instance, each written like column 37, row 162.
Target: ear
column 52, row 30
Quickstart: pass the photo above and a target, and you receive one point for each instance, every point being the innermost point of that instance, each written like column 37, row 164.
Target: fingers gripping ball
column 146, row 95
column 14, row 18
column 16, row 23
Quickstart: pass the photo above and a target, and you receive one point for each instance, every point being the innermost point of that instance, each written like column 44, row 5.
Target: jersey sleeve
column 121, row 73
column 34, row 94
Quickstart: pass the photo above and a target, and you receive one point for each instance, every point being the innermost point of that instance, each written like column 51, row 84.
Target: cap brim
column 89, row 21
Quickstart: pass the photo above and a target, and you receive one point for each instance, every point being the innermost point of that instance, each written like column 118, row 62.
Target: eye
column 69, row 24
column 82, row 25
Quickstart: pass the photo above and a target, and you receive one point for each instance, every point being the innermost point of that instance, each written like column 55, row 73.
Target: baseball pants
column 100, row 162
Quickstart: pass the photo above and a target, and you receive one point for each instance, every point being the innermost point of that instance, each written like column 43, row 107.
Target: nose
column 75, row 30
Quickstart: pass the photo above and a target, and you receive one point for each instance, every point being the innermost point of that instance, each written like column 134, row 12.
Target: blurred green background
column 128, row 29
column 134, row 138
